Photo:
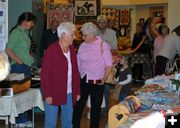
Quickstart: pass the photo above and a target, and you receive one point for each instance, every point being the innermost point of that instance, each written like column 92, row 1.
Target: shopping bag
column 116, row 92
column 111, row 77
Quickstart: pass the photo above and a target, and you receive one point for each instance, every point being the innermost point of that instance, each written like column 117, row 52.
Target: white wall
column 115, row 2
column 173, row 13
column 131, row 2
column 15, row 9
column 136, row 2
column 143, row 11
column 139, row 11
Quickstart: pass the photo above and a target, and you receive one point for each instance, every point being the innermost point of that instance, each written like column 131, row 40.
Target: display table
column 19, row 103
column 156, row 95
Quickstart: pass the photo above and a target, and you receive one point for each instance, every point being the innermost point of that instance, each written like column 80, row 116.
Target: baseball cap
column 102, row 18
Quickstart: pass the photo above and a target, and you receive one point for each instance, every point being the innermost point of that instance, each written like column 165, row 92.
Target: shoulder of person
column 106, row 45
column 82, row 44
column 170, row 38
column 110, row 30
column 16, row 30
column 53, row 45
column 15, row 34
column 72, row 48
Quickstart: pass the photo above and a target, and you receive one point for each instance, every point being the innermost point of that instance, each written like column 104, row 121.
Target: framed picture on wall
column 157, row 11
column 87, row 9
column 124, row 18
column 112, row 14
column 60, row 12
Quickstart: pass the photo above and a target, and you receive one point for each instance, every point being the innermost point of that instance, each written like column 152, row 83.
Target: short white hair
column 4, row 66
column 65, row 27
column 89, row 27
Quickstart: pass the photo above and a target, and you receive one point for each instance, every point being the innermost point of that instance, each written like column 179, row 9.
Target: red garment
column 54, row 74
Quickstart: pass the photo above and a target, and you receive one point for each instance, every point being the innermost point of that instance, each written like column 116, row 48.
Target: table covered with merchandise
column 159, row 93
column 19, row 103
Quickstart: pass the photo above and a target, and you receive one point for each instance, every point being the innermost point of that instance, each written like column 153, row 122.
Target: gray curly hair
column 65, row 27
column 89, row 27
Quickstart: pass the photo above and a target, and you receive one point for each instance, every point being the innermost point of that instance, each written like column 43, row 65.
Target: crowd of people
column 69, row 77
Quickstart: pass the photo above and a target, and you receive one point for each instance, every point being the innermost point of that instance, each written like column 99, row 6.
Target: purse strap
column 101, row 46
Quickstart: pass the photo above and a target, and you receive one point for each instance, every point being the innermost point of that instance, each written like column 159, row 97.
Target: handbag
column 116, row 92
column 169, row 66
column 172, row 66
column 21, row 87
column 111, row 77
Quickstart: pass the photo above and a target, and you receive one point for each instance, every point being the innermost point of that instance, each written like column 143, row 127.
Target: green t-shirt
column 20, row 43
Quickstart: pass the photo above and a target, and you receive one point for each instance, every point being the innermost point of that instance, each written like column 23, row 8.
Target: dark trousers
column 137, row 71
column 160, row 65
column 96, row 95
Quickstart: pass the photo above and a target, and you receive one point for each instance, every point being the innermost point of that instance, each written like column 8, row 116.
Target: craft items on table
column 171, row 83
column 150, row 88
column 19, row 103
column 156, row 95
column 6, row 92
column 15, row 76
column 159, row 93
column 18, row 83
column 157, row 100
column 133, row 118
column 119, row 113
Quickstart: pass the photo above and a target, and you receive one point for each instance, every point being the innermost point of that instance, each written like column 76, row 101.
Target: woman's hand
column 49, row 100
column 78, row 97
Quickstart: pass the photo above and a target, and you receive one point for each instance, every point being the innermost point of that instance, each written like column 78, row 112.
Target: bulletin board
column 60, row 12
column 3, row 24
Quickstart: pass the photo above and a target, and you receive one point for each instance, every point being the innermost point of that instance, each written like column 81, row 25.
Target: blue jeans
column 121, row 97
column 51, row 114
column 21, row 68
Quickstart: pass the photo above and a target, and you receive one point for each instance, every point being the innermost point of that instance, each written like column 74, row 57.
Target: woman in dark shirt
column 138, row 36
column 143, row 49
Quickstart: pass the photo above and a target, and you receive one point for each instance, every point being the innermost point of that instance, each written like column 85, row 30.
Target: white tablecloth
column 19, row 103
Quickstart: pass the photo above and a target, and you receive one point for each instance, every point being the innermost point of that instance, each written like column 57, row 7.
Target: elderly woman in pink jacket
column 94, row 63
